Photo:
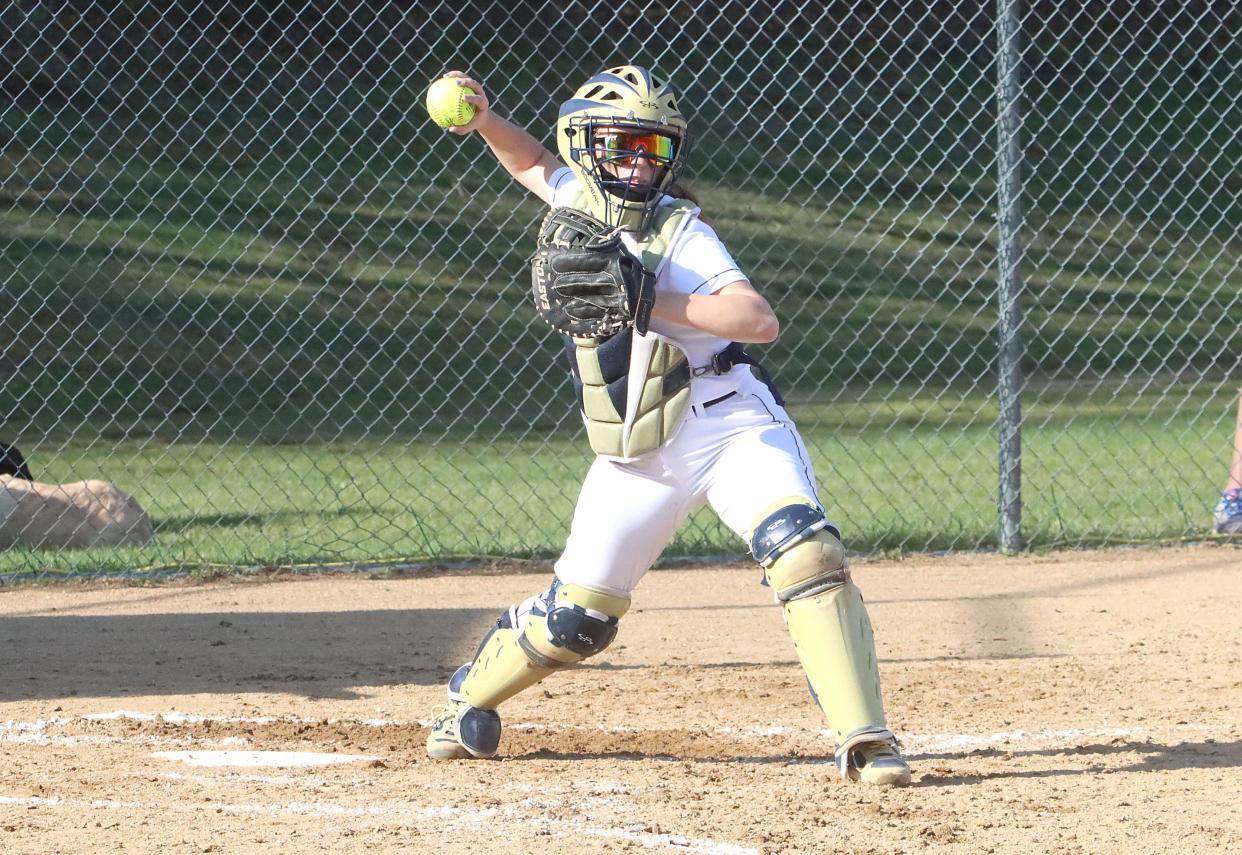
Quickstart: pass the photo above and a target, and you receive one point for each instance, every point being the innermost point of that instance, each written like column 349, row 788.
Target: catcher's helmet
column 621, row 114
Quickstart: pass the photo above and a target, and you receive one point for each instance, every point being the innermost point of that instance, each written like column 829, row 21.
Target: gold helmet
column 617, row 116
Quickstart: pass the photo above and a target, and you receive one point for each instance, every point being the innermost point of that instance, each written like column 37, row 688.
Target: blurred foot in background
column 1229, row 512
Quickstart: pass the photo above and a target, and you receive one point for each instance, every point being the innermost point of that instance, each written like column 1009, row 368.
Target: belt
column 700, row 409
column 723, row 362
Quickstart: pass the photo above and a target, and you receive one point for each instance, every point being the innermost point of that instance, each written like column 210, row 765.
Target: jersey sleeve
column 701, row 264
column 564, row 186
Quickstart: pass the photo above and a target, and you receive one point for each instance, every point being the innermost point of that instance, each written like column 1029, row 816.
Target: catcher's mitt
column 586, row 284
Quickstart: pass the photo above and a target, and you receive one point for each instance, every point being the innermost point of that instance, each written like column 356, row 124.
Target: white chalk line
column 37, row 732
column 592, row 788
column 240, row 778
column 82, row 740
column 477, row 819
column 279, row 759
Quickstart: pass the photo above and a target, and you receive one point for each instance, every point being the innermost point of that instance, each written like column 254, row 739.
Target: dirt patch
column 1075, row 702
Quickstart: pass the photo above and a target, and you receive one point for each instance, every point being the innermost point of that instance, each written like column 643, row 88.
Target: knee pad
column 558, row 628
column 578, row 622
column 799, row 550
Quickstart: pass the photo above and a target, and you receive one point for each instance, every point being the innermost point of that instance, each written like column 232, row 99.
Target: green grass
column 901, row 471
column 299, row 332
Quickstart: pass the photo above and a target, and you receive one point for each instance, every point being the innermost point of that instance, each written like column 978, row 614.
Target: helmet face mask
column 631, row 163
column 624, row 137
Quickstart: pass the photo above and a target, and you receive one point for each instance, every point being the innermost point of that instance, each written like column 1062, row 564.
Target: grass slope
column 291, row 316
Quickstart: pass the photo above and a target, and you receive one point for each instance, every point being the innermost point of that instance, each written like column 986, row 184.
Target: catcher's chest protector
column 634, row 389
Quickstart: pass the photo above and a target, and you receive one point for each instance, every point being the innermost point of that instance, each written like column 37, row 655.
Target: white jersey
column 738, row 455
column 696, row 263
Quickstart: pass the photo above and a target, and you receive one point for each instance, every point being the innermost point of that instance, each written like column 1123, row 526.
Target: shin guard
column 832, row 634
column 804, row 562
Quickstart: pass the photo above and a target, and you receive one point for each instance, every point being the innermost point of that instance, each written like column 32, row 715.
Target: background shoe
column 1228, row 512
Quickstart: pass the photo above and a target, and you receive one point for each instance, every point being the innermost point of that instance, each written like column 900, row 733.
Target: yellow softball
column 446, row 103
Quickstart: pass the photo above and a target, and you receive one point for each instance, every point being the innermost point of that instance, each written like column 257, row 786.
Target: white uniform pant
column 739, row 456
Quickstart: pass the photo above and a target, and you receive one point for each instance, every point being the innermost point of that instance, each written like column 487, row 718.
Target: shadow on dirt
column 315, row 654
column 1083, row 760
column 1061, row 590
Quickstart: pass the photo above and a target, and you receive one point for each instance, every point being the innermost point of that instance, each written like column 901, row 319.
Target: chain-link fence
column 246, row 281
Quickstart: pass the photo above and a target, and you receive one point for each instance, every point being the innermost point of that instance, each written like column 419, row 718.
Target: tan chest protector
column 634, row 390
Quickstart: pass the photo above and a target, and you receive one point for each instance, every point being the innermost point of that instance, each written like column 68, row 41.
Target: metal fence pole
column 1009, row 252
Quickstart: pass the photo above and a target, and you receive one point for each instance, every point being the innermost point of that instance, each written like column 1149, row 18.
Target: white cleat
column 879, row 764
column 870, row 755
column 460, row 731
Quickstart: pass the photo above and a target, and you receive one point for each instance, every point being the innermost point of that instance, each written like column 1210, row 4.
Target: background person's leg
column 1228, row 512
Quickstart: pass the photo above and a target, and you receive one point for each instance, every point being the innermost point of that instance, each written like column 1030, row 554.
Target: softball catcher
column 655, row 314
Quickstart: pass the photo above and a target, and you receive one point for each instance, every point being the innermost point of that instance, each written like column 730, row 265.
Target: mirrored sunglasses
column 629, row 144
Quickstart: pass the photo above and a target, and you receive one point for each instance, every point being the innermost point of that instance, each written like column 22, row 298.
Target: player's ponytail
column 678, row 190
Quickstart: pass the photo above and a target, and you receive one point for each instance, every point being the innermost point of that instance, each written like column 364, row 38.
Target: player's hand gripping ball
column 447, row 104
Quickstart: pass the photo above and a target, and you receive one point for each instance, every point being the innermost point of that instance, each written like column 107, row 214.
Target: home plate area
column 1065, row 703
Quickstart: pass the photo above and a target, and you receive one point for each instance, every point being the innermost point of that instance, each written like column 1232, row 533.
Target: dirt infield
column 1078, row 702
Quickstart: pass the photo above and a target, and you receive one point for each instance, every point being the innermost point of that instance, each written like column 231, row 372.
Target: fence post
column 1009, row 252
